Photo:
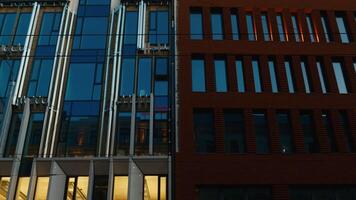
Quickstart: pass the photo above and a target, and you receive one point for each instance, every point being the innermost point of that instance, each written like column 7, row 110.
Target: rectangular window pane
column 217, row 25
column 262, row 132
column 321, row 74
column 340, row 78
column 285, row 132
column 144, row 77
column 151, row 187
column 13, row 134
column 311, row 144
column 22, row 28
column 290, row 78
column 196, row 25
column 22, row 188
column 306, row 76
column 280, row 26
column 250, row 27
column 273, row 76
column 310, row 26
column 296, row 28
column 4, row 187
column 81, row 190
column 204, row 131
column 327, row 123
column 342, row 28
column 121, row 186
column 344, row 119
column 256, row 75
column 235, row 26
column 320, row 192
column 42, row 188
column 131, row 20
column 265, row 27
column 234, row 132
column 7, row 28
column 127, row 77
column 123, row 133
column 198, row 75
column 326, row 27
column 158, row 31
column 33, row 135
column 220, row 76
column 240, row 75
column 142, row 133
column 163, row 188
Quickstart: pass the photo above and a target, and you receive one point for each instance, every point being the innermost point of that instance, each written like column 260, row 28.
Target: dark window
column 344, row 119
column 262, row 132
column 327, row 123
column 256, row 75
column 285, row 132
column 235, row 141
column 127, row 77
column 235, row 25
column 144, row 77
column 131, row 20
column 232, row 193
column 251, row 35
column 196, row 24
column 204, row 131
column 13, row 134
column 158, row 33
column 240, row 75
column 90, row 33
column 326, row 27
column 142, row 133
column 49, row 29
column 273, row 75
column 217, row 25
column 265, row 27
column 220, row 75
column 33, row 135
column 123, row 133
column 198, row 75
column 311, row 144
column 40, row 78
column 340, row 77
column 296, row 28
column 8, row 76
column 323, row 193
column 160, row 133
column 100, row 190
column 342, row 28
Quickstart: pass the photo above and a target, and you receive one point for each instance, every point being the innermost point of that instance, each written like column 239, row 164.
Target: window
column 127, row 77
column 22, row 188
column 326, row 27
column 322, row 76
column 40, row 78
column 339, row 77
column 256, row 75
column 262, row 132
column 13, row 28
column 240, row 75
column 233, row 192
column 204, row 131
column 90, row 33
column 42, row 188
column 198, row 75
column 327, row 123
column 285, row 132
column 123, row 133
column 296, row 28
column 13, row 134
column 251, row 35
column 8, row 75
column 322, row 192
column 306, row 76
column 144, row 77
column 49, row 28
column 4, row 187
column 265, row 27
column 310, row 26
column 235, row 141
column 131, row 20
column 121, row 187
column 142, row 133
column 155, row 187
column 280, row 27
column 235, row 25
column 344, row 120
column 217, row 25
column 342, row 28
column 158, row 31
column 290, row 77
column 33, row 135
column 220, row 75
column 160, row 133
column 77, row 188
column 311, row 144
column 196, row 24
column 273, row 75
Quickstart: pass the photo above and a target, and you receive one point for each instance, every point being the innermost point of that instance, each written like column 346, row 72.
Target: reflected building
column 87, row 107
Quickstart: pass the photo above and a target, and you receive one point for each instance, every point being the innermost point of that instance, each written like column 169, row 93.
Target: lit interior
column 42, row 188
column 22, row 188
column 70, row 188
column 4, row 187
column 81, row 192
column 151, row 188
column 121, row 187
column 163, row 188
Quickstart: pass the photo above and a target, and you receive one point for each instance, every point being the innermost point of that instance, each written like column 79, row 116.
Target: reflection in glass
column 198, row 75
column 33, row 135
column 158, row 31
column 322, row 76
column 340, row 78
column 343, row 29
column 256, row 75
column 220, row 75
column 265, row 27
column 296, row 29
column 235, row 26
column 42, row 188
column 77, row 188
column 240, row 75
column 306, row 77
column 127, row 77
column 22, row 188
column 40, row 78
column 273, row 76
column 250, row 27
column 196, row 25
column 290, row 77
column 121, row 187
column 280, row 26
column 4, row 187
column 310, row 26
column 144, row 77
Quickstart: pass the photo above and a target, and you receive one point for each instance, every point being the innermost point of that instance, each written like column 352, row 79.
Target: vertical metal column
column 57, row 182
column 135, row 182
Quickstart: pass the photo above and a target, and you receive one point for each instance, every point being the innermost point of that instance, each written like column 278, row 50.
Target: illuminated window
column 281, row 28
column 265, row 27
column 4, row 187
column 296, row 28
column 22, row 188
column 251, row 35
column 155, row 188
column 310, row 26
column 121, row 186
column 77, row 188
column 42, row 188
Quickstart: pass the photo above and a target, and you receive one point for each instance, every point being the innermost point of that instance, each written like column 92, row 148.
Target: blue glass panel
column 22, row 28
column 13, row 134
column 158, row 27
column 220, row 76
column 44, row 78
column 344, row 35
column 256, row 76
column 250, row 27
column 33, row 135
column 198, row 76
column 296, row 28
column 321, row 75
column 7, row 28
column 87, row 108
column 161, row 103
column 123, row 133
column 131, row 21
column 280, row 27
column 127, row 77
column 98, row 2
column 196, row 25
column 5, row 71
column 340, row 79
column 289, row 75
column 97, row 11
column 326, row 27
column 80, row 81
column 46, row 27
column 240, row 76
column 217, row 26
column 45, row 51
column 305, row 77
column 161, row 66
column 235, row 27
column 94, row 33
column 273, row 76
column 265, row 27
column 144, row 77
column 161, row 88
column 310, row 28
